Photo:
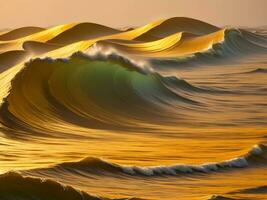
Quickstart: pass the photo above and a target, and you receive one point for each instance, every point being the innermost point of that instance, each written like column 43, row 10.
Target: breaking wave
column 95, row 91
column 237, row 43
column 257, row 155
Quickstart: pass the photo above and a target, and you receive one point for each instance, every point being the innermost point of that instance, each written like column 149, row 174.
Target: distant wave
column 257, row 71
column 257, row 155
column 260, row 190
column 221, row 197
column 237, row 44
column 254, row 190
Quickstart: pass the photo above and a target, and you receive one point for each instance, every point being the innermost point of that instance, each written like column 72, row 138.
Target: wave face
column 95, row 91
column 175, row 109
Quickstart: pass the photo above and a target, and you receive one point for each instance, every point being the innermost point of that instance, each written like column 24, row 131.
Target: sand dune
column 20, row 32
column 11, row 58
column 179, row 24
column 161, row 34
column 159, row 47
column 82, row 31
column 147, row 47
column 38, row 48
column 42, row 36
column 180, row 43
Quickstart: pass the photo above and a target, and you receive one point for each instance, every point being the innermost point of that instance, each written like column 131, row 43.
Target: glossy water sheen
column 165, row 111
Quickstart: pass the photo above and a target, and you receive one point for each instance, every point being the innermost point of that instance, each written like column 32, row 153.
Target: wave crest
column 257, row 155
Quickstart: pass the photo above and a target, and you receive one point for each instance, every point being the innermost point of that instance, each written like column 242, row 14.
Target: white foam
column 100, row 51
column 256, row 150
column 182, row 168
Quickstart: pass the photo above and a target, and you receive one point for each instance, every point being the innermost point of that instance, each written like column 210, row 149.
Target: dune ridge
column 20, row 32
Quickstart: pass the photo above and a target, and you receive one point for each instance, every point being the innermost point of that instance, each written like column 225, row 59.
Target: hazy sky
column 121, row 13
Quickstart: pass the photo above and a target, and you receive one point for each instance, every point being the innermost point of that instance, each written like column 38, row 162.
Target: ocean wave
column 254, row 190
column 15, row 186
column 82, row 85
column 237, row 43
column 238, row 194
column 257, row 71
column 221, row 197
column 99, row 91
column 256, row 156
